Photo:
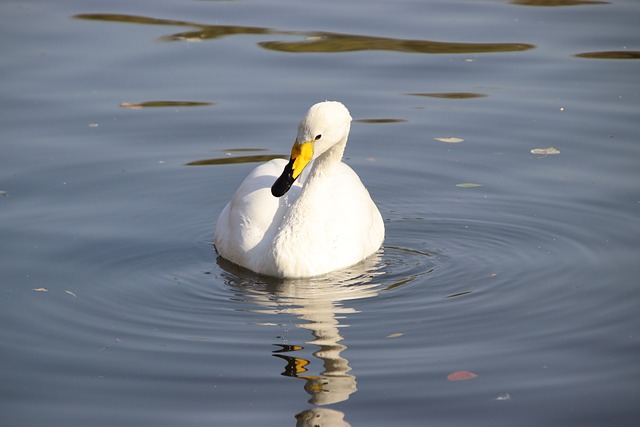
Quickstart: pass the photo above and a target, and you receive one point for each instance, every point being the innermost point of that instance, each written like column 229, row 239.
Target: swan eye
column 318, row 137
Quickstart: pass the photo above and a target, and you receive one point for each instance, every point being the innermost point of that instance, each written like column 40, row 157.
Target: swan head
column 325, row 125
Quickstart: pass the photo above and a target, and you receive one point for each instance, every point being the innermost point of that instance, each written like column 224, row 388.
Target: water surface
column 126, row 127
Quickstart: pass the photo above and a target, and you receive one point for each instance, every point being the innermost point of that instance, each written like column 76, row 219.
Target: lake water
column 127, row 126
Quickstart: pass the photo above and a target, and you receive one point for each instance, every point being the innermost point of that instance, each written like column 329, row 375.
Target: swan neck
column 327, row 161
column 322, row 170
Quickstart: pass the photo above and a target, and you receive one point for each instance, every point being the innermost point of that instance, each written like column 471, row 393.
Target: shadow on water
column 322, row 306
column 313, row 41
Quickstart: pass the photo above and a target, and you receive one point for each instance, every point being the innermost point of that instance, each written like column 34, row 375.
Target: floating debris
column 545, row 151
column 450, row 140
column 107, row 347
column 461, row 376
column 395, row 335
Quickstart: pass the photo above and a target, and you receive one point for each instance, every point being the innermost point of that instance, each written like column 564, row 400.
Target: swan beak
column 301, row 155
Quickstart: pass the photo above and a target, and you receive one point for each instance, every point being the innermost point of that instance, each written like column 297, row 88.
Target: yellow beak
column 301, row 155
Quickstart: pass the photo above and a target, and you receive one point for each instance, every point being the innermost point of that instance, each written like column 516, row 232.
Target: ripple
column 451, row 254
column 389, row 268
column 485, row 251
column 403, row 266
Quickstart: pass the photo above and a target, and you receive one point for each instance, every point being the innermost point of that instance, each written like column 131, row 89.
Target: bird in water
column 307, row 216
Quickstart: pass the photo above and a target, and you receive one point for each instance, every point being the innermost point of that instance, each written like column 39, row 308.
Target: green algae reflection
column 335, row 42
column 451, row 95
column 379, row 121
column 621, row 54
column 202, row 32
column 312, row 41
column 158, row 104
column 231, row 160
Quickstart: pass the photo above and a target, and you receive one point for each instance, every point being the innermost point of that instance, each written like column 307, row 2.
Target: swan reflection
column 321, row 417
column 320, row 305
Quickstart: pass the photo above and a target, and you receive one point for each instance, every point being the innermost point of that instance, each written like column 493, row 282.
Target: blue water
column 116, row 310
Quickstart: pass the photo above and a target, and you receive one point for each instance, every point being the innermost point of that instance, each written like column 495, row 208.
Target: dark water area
column 498, row 138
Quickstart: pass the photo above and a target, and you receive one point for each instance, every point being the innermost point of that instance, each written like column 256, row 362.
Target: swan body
column 307, row 216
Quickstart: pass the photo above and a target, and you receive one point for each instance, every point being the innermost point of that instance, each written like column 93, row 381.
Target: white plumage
column 305, row 217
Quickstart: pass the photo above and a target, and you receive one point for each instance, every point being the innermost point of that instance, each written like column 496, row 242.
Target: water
column 116, row 311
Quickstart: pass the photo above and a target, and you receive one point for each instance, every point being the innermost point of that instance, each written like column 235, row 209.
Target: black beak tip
column 284, row 181
column 281, row 186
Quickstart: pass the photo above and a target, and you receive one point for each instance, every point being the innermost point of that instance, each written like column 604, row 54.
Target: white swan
column 287, row 223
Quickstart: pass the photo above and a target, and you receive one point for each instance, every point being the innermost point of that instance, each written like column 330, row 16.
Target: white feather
column 325, row 222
